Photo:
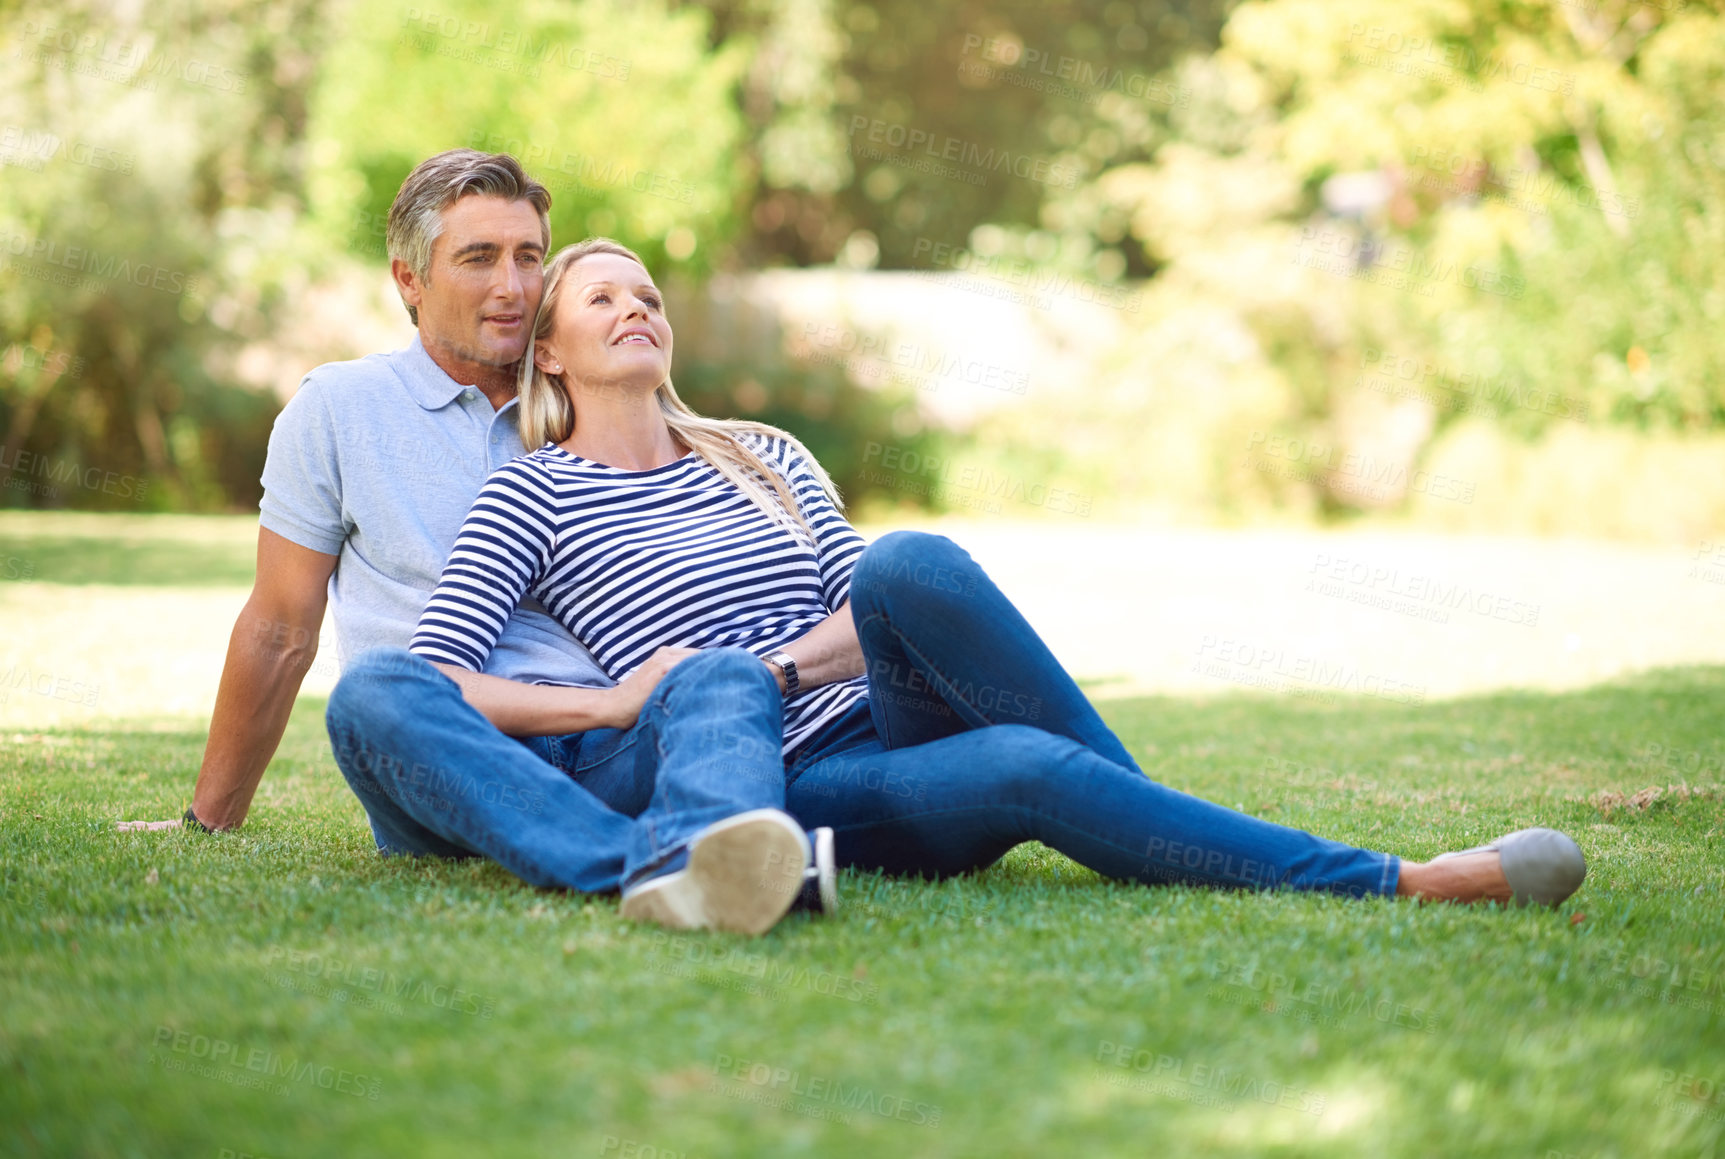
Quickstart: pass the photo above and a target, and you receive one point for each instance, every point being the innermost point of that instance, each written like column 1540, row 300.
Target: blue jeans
column 591, row 811
column 974, row 739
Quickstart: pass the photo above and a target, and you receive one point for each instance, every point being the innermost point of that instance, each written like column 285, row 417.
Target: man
column 372, row 466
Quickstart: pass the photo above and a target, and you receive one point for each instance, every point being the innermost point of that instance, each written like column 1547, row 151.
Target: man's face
column 477, row 303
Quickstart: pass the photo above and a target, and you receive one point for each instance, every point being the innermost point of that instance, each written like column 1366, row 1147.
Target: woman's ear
column 546, row 360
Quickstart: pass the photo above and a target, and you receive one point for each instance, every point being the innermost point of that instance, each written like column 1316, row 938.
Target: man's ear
column 406, row 282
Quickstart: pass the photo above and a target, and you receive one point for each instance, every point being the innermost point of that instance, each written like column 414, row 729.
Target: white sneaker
column 743, row 874
column 820, row 891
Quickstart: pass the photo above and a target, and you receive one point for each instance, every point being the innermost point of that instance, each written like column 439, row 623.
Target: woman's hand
column 630, row 696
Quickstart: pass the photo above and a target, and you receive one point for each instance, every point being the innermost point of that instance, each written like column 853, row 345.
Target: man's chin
column 494, row 355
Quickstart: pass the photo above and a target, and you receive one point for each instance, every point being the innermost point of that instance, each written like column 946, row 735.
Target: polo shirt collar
column 426, row 381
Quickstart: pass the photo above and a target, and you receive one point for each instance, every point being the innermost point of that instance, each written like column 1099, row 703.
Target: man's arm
column 273, row 645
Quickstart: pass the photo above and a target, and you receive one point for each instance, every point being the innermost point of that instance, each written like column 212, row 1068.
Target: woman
column 924, row 720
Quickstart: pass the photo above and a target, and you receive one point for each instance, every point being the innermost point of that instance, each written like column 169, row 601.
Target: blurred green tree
column 151, row 167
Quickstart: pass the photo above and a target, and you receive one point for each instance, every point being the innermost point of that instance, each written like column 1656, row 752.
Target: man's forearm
column 265, row 666
column 828, row 652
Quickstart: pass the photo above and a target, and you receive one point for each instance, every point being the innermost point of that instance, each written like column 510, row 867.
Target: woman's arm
column 826, row 653
column 502, row 549
column 518, row 709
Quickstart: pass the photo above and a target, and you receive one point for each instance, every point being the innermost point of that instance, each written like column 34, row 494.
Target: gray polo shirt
column 378, row 461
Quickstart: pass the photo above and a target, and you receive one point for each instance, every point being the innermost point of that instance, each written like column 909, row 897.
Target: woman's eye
column 597, row 298
column 651, row 300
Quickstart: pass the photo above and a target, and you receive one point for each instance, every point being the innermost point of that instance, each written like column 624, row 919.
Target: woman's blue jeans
column 974, row 739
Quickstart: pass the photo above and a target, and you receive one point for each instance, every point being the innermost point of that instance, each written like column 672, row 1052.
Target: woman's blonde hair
column 548, row 414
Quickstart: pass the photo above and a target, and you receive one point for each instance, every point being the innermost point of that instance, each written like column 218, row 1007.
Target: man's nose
column 512, row 284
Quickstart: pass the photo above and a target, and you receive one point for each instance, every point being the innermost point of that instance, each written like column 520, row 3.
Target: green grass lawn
column 285, row 992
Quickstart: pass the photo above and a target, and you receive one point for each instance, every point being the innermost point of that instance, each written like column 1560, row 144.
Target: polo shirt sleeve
column 302, row 475
column 838, row 545
column 503, row 549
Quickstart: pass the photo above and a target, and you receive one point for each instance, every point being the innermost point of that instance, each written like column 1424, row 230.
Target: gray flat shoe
column 1542, row 866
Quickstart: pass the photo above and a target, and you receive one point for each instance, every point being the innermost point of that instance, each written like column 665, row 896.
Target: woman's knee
column 913, row 561
column 1022, row 764
column 910, row 548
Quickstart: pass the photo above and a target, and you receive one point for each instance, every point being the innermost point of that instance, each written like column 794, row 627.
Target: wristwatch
column 190, row 821
column 783, row 662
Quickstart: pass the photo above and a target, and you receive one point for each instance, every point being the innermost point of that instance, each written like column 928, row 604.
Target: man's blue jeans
column 590, row 811
column 974, row 739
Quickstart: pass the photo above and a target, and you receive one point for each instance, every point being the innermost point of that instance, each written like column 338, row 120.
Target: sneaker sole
column 825, row 871
column 742, row 876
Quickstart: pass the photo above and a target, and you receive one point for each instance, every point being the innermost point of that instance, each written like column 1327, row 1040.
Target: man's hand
column 629, row 697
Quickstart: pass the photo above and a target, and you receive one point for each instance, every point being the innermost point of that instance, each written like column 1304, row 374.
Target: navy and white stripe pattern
column 630, row 561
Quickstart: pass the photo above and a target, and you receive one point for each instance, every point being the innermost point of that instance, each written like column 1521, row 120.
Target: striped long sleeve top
column 630, row 561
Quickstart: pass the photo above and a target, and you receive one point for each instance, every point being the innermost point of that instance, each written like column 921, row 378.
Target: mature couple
column 651, row 655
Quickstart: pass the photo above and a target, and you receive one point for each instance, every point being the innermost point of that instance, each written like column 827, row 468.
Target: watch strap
column 786, row 664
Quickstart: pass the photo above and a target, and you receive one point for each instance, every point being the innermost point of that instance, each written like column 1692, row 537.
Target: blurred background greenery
column 1456, row 262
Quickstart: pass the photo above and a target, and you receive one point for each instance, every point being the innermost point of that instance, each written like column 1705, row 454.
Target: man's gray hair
column 416, row 217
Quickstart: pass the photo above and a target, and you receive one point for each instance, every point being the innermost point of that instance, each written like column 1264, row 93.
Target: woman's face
column 609, row 332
